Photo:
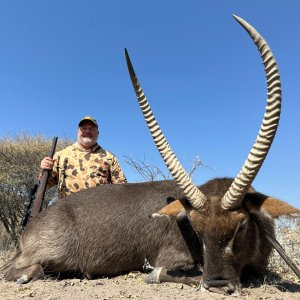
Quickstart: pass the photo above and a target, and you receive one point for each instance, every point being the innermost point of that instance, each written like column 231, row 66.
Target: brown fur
column 107, row 231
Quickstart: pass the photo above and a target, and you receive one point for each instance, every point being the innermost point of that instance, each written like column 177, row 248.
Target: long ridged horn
column 190, row 190
column 259, row 151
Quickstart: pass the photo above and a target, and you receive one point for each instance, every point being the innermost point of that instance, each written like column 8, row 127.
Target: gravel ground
column 131, row 286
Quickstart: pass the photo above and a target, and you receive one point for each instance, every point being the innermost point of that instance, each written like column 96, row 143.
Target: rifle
column 27, row 214
column 38, row 191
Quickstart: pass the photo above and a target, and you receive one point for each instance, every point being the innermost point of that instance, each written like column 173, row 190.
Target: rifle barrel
column 37, row 205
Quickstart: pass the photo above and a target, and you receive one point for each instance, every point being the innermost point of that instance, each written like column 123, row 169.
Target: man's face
column 87, row 134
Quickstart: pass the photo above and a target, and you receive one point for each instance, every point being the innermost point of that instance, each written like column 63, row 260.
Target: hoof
column 22, row 280
column 153, row 277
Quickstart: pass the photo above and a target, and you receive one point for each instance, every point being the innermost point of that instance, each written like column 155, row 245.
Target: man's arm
column 117, row 175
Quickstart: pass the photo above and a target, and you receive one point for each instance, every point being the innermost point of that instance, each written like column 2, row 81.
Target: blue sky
column 62, row 60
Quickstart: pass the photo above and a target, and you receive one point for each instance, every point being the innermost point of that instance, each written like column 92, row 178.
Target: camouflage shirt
column 75, row 169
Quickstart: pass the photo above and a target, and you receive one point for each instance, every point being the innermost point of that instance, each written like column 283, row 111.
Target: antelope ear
column 173, row 210
column 272, row 206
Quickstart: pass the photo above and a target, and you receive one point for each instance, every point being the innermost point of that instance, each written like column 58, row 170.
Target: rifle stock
column 37, row 205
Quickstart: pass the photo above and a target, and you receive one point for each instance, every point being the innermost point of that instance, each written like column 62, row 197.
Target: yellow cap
column 88, row 118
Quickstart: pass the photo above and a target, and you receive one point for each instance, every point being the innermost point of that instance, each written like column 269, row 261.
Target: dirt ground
column 132, row 286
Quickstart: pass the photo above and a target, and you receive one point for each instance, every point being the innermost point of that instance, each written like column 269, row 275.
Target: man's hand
column 47, row 163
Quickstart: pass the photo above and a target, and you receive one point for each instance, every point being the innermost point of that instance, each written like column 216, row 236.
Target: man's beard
column 87, row 141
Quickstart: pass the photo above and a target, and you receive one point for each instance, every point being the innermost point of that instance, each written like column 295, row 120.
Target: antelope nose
column 224, row 286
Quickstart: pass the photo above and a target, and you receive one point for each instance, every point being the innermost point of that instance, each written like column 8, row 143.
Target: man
column 84, row 164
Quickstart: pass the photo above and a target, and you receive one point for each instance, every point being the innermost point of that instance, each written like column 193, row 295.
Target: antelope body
column 222, row 227
column 105, row 230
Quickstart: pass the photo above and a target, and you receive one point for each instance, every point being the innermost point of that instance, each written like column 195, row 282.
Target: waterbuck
column 220, row 228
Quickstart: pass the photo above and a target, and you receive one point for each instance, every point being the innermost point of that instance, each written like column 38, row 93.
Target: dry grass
column 6, row 244
column 287, row 232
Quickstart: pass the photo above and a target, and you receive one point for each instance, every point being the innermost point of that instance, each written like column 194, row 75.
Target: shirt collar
column 78, row 147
